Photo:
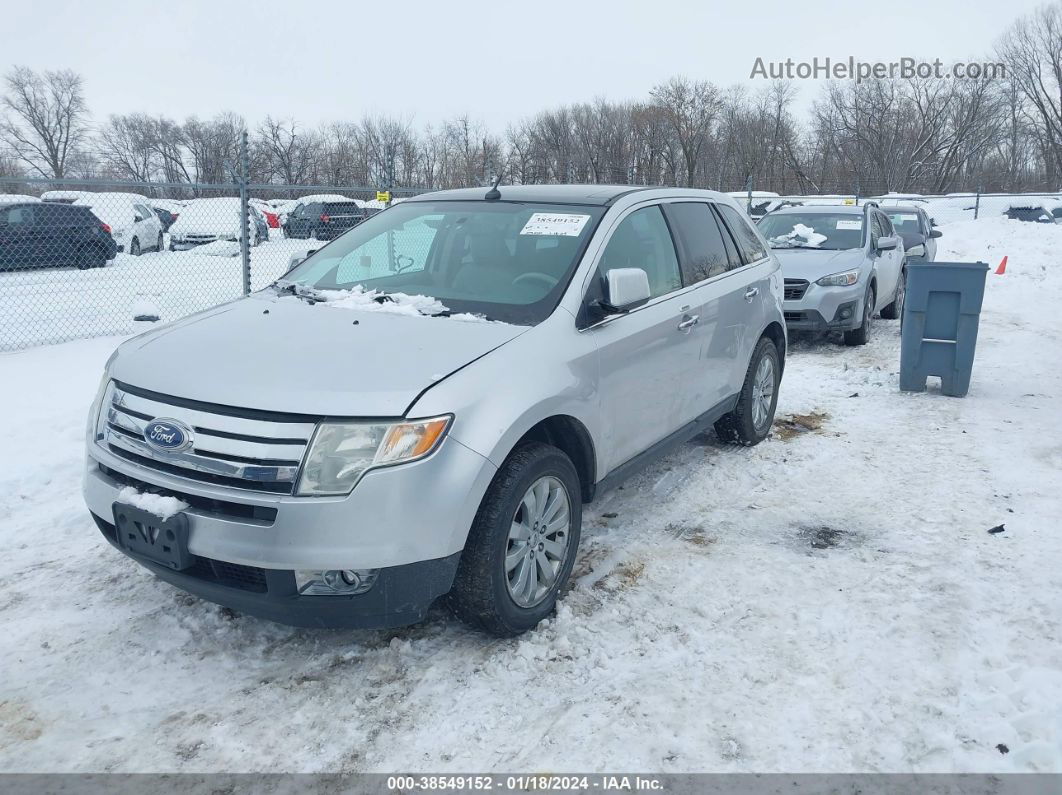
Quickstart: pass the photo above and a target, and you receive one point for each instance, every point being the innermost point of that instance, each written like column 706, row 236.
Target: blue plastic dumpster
column 941, row 312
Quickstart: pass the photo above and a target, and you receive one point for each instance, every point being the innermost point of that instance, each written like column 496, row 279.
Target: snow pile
column 163, row 507
column 801, row 237
column 219, row 248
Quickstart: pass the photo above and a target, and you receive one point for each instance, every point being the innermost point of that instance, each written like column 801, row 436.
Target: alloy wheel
column 538, row 543
column 762, row 393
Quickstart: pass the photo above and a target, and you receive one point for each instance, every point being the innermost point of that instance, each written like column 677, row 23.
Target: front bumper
column 410, row 521
column 400, row 596
column 826, row 308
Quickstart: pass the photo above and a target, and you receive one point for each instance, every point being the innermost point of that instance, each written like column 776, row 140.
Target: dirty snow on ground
column 830, row 600
column 162, row 507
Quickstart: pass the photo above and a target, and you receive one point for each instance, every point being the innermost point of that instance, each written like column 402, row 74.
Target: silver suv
column 842, row 264
column 422, row 407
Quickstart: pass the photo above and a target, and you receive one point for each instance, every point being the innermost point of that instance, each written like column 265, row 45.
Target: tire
column 859, row 336
column 895, row 310
column 90, row 257
column 160, row 246
column 486, row 591
column 752, row 417
column 134, row 247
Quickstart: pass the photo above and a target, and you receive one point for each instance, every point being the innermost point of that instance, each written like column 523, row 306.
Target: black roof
column 550, row 194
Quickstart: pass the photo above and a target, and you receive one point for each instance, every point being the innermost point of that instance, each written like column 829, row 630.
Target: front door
column 649, row 356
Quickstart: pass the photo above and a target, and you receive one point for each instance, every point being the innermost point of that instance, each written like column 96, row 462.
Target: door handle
column 688, row 322
column 751, row 293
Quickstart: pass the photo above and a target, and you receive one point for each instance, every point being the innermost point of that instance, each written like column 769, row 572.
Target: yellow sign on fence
column 383, row 195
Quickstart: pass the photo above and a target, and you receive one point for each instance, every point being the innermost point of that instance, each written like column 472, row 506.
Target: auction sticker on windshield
column 844, row 223
column 565, row 224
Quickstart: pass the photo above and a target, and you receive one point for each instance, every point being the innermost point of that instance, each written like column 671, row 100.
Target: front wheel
column 752, row 417
column 134, row 247
column 159, row 246
column 861, row 335
column 522, row 545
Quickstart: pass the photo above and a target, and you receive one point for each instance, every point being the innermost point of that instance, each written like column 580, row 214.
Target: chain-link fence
column 88, row 258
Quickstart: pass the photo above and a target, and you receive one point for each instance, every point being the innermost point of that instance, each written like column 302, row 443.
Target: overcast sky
column 427, row 61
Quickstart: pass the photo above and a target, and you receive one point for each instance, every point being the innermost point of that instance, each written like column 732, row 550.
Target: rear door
column 750, row 293
column 707, row 261
column 648, row 356
column 21, row 244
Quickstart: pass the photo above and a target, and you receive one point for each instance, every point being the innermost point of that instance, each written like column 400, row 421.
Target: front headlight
column 839, row 279
column 341, row 452
column 97, row 403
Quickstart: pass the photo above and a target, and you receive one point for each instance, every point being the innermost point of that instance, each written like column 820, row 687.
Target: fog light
column 846, row 313
column 335, row 582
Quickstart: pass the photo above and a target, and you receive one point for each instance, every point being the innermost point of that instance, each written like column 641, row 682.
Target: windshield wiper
column 306, row 294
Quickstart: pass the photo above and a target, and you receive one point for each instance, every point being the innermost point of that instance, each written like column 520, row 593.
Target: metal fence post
column 977, row 203
column 245, row 213
column 748, row 198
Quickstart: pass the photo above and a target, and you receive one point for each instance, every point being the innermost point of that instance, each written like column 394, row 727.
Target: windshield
column 506, row 261
column 813, row 230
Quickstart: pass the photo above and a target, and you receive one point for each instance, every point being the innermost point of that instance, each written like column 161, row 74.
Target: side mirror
column 887, row 242
column 916, row 251
column 628, row 288
column 936, row 233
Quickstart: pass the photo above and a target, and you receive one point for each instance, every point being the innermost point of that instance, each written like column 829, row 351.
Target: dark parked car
column 166, row 217
column 917, row 230
column 1032, row 213
column 323, row 220
column 44, row 233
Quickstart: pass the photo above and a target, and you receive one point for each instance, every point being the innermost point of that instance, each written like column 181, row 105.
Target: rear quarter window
column 748, row 242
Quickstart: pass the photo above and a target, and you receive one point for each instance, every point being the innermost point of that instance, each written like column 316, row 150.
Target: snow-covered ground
column 830, row 600
column 47, row 305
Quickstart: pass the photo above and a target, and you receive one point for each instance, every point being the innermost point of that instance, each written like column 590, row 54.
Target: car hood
column 283, row 354
column 812, row 264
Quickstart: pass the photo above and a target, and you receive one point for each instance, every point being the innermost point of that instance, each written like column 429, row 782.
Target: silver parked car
column 422, row 407
column 842, row 264
column 916, row 228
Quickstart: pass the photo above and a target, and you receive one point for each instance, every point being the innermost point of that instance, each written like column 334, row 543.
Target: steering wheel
column 535, row 276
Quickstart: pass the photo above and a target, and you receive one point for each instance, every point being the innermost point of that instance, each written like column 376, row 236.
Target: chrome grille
column 230, row 446
column 795, row 289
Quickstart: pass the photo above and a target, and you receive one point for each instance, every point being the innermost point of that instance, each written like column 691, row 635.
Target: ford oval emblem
column 169, row 435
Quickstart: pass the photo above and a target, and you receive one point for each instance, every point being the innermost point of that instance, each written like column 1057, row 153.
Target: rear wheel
column 860, row 335
column 522, row 545
column 134, row 247
column 752, row 417
column 895, row 309
column 90, row 257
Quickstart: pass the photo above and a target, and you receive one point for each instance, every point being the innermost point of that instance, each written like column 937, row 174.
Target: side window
column 19, row 217
column 703, row 252
column 642, row 240
column 875, row 229
column 748, row 242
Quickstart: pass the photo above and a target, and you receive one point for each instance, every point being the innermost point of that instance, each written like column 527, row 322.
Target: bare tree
column 128, row 148
column 1032, row 49
column 48, row 119
column 690, row 106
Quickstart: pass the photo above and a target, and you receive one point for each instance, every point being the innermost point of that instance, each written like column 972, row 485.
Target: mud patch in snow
column 793, row 425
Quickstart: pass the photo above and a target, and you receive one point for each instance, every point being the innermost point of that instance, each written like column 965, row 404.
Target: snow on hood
column 358, row 298
column 800, row 236
column 280, row 353
column 219, row 217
